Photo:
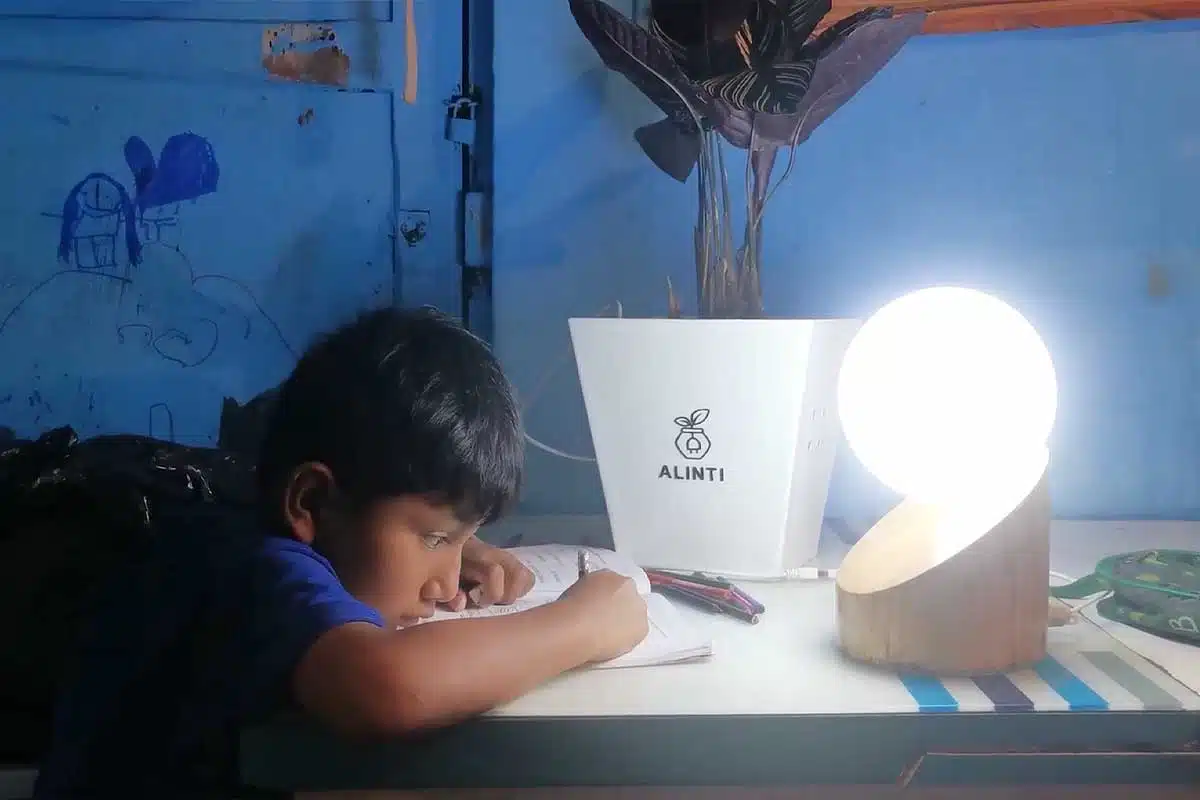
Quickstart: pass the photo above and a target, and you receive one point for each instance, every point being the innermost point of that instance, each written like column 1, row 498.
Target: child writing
column 392, row 441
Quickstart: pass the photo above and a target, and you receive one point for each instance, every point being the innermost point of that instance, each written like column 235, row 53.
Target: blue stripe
column 930, row 694
column 1077, row 694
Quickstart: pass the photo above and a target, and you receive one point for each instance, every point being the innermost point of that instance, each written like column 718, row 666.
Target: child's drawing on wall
column 186, row 169
column 160, row 225
column 99, row 227
column 138, row 312
column 104, row 225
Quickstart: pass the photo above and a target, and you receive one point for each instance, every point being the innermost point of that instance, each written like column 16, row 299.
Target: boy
column 393, row 439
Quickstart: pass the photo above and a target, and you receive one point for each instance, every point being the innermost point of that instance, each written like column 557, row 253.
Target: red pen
column 728, row 595
column 702, row 601
column 724, row 591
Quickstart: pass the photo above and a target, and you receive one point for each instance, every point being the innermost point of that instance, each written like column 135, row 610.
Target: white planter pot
column 715, row 439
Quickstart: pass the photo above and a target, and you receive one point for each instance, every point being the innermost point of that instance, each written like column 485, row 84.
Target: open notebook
column 671, row 639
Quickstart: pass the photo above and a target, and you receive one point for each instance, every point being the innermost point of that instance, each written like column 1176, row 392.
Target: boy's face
column 404, row 558
column 401, row 555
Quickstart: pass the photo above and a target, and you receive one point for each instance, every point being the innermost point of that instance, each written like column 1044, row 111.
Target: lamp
column 948, row 397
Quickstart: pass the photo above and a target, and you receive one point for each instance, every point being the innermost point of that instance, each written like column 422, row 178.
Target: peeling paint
column 413, row 226
column 306, row 53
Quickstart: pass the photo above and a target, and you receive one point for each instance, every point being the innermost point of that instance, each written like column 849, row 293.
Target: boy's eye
column 433, row 542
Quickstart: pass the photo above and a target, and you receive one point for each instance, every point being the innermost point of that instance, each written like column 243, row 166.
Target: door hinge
column 461, row 113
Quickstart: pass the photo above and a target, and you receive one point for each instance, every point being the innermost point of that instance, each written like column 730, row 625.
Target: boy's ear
column 305, row 497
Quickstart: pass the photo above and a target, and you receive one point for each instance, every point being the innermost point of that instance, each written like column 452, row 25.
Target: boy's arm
column 364, row 680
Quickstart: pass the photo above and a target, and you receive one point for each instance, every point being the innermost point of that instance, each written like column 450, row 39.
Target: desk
column 778, row 705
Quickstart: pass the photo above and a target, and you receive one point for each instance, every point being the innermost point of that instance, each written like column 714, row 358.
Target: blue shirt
column 198, row 639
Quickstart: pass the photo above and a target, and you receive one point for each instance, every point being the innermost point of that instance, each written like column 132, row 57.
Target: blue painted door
column 194, row 188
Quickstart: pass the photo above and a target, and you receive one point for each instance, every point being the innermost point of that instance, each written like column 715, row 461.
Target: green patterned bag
column 1157, row 591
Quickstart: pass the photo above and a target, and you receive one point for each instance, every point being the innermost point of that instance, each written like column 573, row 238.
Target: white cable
column 555, row 451
column 1077, row 610
column 547, row 448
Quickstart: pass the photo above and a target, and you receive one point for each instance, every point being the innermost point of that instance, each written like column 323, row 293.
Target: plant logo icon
column 692, row 442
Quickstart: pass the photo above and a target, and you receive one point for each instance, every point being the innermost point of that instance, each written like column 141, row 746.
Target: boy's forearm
column 456, row 669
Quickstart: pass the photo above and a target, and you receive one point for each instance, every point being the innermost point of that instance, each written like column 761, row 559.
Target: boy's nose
column 443, row 586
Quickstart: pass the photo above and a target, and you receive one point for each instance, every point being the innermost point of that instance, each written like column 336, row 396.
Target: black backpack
column 72, row 512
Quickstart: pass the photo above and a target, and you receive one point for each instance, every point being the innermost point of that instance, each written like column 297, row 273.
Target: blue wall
column 1057, row 169
column 270, row 216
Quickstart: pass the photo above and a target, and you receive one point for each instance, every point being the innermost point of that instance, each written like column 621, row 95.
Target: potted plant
column 761, row 76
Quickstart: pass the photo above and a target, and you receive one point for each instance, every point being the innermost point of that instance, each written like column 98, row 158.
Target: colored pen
column 755, row 606
column 727, row 595
column 696, row 577
column 738, row 609
column 714, row 582
column 730, row 596
column 705, row 603
column 688, row 598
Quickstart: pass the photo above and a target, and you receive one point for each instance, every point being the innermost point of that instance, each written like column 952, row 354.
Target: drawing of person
column 160, row 225
column 186, row 169
column 96, row 212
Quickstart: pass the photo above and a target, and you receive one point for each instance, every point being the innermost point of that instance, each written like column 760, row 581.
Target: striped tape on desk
column 1092, row 680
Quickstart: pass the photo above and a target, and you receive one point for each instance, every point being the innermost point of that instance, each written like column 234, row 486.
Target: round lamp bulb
column 946, row 391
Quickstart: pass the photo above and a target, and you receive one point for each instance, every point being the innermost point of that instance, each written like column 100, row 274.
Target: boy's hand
column 613, row 608
column 502, row 578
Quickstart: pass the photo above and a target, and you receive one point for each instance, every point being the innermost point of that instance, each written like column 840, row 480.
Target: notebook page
column 556, row 566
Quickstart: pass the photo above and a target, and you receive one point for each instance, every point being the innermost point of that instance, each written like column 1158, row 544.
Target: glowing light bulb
column 945, row 392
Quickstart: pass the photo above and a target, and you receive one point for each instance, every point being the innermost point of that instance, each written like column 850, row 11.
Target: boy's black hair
column 399, row 402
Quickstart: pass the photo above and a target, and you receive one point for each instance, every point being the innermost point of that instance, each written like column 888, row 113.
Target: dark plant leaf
column 769, row 78
column 769, row 89
column 700, row 33
column 626, row 48
column 803, row 16
column 711, row 38
column 765, row 34
column 849, row 54
column 672, row 150
column 687, row 23
column 833, row 36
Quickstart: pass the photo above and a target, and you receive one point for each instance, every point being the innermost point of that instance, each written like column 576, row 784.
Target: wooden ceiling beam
column 978, row 16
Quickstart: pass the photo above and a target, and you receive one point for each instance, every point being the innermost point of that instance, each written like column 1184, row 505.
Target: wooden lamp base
column 952, row 591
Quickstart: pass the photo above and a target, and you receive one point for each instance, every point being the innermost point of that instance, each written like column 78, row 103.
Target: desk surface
column 778, row 683
column 789, row 664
